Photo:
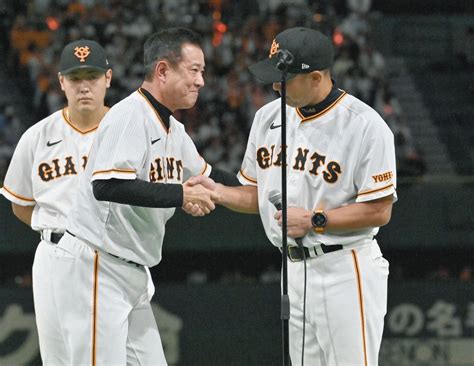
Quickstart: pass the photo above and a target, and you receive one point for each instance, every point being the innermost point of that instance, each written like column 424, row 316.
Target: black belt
column 115, row 256
column 51, row 237
column 296, row 255
column 125, row 260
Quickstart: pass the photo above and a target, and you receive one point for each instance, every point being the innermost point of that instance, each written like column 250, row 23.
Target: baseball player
column 133, row 182
column 341, row 187
column 43, row 175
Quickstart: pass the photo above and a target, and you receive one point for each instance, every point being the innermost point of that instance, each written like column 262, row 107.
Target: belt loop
column 318, row 250
column 46, row 234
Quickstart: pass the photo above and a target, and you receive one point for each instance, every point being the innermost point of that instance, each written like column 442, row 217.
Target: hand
column 193, row 209
column 206, row 182
column 298, row 221
column 200, row 196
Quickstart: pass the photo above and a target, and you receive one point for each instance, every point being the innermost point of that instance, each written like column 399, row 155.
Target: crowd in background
column 236, row 34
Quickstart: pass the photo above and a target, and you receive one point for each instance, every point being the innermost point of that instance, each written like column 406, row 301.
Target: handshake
column 200, row 194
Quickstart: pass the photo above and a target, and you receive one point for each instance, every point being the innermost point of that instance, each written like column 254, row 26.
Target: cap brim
column 85, row 67
column 266, row 72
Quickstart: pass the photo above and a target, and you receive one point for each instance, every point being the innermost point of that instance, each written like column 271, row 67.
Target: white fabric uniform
column 108, row 318
column 43, row 172
column 341, row 154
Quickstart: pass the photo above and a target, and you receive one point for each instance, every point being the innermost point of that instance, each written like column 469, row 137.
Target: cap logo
column 82, row 53
column 304, row 66
column 274, row 48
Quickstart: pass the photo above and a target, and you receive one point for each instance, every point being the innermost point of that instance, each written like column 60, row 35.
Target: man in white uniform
column 43, row 174
column 341, row 186
column 133, row 182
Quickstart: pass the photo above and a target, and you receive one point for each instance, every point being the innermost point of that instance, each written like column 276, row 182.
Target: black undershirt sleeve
column 226, row 178
column 138, row 193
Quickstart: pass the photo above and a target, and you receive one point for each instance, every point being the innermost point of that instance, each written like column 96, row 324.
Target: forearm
column 360, row 215
column 242, row 199
column 23, row 213
column 138, row 193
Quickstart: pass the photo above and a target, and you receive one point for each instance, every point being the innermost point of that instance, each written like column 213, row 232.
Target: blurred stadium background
column 217, row 297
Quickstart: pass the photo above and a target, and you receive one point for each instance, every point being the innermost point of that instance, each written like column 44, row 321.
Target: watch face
column 319, row 219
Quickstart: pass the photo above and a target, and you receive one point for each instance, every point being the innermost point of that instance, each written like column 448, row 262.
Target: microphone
column 275, row 199
column 285, row 58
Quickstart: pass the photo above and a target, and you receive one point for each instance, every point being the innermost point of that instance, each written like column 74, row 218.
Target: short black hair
column 167, row 45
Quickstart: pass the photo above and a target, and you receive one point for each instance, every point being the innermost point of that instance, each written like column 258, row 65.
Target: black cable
column 299, row 242
column 304, row 309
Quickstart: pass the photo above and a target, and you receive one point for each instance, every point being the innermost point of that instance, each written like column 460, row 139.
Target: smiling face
column 85, row 89
column 184, row 79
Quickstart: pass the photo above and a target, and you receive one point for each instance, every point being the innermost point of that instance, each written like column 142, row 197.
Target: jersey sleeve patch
column 17, row 198
column 114, row 173
column 245, row 179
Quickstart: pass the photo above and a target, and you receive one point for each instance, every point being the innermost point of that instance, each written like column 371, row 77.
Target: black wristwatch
column 319, row 221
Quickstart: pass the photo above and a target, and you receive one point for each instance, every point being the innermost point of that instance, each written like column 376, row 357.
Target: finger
column 277, row 215
column 212, row 206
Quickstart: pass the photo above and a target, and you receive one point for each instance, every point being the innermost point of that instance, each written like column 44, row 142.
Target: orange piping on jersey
column 68, row 121
column 324, row 111
column 248, row 178
column 375, row 190
column 154, row 110
column 361, row 304
column 94, row 307
column 113, row 170
column 17, row 195
column 205, row 167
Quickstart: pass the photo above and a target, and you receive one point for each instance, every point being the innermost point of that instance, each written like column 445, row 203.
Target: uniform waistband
column 49, row 235
column 297, row 254
column 113, row 255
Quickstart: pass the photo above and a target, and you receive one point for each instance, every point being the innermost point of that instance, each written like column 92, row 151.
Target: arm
column 243, row 199
column 138, row 192
column 373, row 213
column 23, row 213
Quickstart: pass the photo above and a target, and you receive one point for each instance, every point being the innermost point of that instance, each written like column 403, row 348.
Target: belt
column 113, row 255
column 125, row 260
column 48, row 235
column 295, row 254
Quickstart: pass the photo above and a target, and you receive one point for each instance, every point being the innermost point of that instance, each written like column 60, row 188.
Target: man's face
column 184, row 80
column 299, row 91
column 85, row 89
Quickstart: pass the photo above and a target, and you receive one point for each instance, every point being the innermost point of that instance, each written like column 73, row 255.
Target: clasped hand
column 298, row 221
column 199, row 195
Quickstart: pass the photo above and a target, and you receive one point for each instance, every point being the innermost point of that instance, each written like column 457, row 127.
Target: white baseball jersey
column 133, row 142
column 341, row 154
column 47, row 160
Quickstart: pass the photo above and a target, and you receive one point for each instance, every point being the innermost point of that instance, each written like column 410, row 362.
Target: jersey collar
column 163, row 112
column 313, row 111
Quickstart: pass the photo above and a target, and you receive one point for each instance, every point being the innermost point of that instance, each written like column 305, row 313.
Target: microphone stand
column 285, row 58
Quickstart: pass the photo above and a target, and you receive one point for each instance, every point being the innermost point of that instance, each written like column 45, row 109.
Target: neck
column 86, row 120
column 323, row 91
column 156, row 92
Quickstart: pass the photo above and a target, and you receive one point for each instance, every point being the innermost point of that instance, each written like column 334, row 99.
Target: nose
column 84, row 86
column 200, row 80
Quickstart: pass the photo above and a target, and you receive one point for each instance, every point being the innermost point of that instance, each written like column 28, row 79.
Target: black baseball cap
column 310, row 49
column 83, row 54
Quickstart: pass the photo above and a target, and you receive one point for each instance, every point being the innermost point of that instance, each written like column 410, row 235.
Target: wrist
column 319, row 221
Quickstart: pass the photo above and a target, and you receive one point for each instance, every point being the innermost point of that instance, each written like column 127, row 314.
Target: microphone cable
column 301, row 247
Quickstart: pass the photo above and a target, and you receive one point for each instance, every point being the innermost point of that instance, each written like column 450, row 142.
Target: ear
column 161, row 69
column 316, row 77
column 61, row 80
column 108, row 78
